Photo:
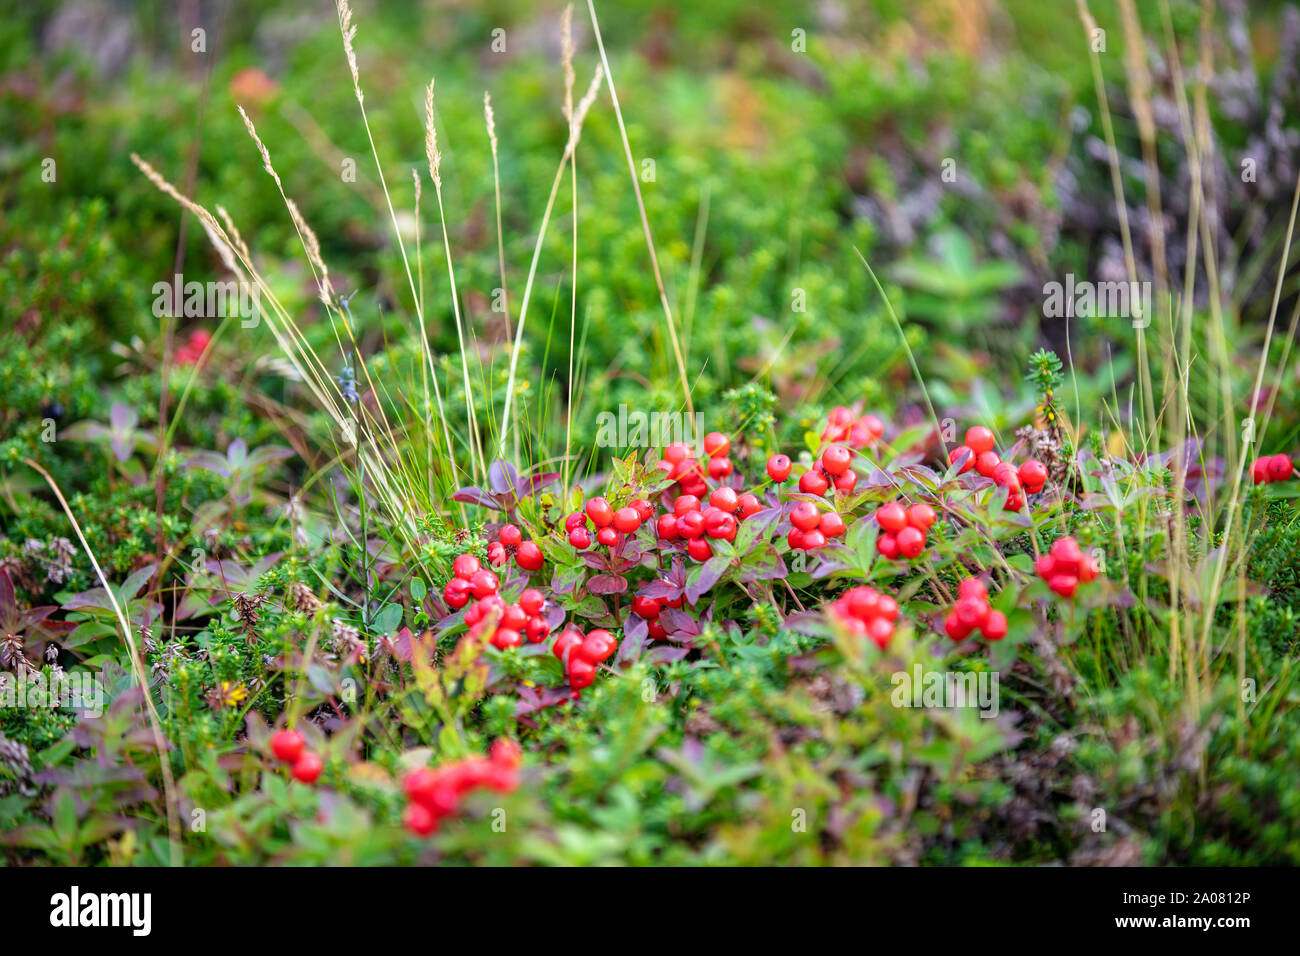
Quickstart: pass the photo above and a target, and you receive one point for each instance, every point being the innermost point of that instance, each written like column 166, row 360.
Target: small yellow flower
column 232, row 695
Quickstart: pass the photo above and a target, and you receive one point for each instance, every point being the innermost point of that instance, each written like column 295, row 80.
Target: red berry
column 644, row 509
column 690, row 525
column 836, row 459
column 581, row 672
column 1045, row 566
column 529, row 556
column 483, row 582
column 464, row 566
column 699, row 549
column 566, row 639
column 505, row 752
column 748, row 504
column 685, row 503
column 419, row 820
column 805, row 516
column 597, row 646
column 532, row 601
column 580, row 538
column 813, row 482
column 921, row 516
column 456, row 593
column 1033, row 475
column 813, row 539
column 1005, row 474
column 1259, row 470
column 892, row 517
column 719, row 524
column 514, row 617
column 911, row 542
column 1088, row 569
column 576, row 520
column 847, row 481
column 607, row 536
column 972, row 588
column 987, row 462
column 1064, row 584
column 287, row 745
column 964, row 454
column 832, row 525
column 506, row 637
column 657, row 631
column 887, row 607
column 995, row 626
column 716, row 445
column 864, row 602
column 955, row 628
column 420, row 784
column 497, row 554
column 627, row 520
column 667, row 527
column 887, row 545
column 307, row 767
column 840, row 416
column 979, row 439
column 972, row 611
column 1280, row 468
column 778, row 468
column 677, row 452
column 537, row 630
column 880, row 631
column 724, row 498
column 600, row 512
column 646, row 607
column 795, row 537
column 510, row 536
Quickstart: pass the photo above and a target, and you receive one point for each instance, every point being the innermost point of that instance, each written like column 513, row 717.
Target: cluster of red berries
column 978, row 454
column 289, row 747
column 972, row 613
column 866, row 612
column 811, row 528
column 510, row 541
column 682, row 467
column 832, row 467
column 903, row 530
column 695, row 521
column 841, row 425
column 1065, row 567
column 433, row 794
column 610, row 524
column 469, row 580
column 649, row 609
column 191, row 352
column 582, row 653
column 1268, row 470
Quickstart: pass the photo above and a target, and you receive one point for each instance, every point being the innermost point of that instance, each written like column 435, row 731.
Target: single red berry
column 911, row 542
column 716, row 445
column 880, row 631
column 646, row 607
column 607, row 536
column 840, row 416
column 685, row 503
column 832, row 525
column 505, row 752
column 667, row 527
column 979, row 439
column 864, row 602
column 813, row 482
column 887, row 545
column 847, row 481
column 719, row 524
column 724, row 498
column 690, row 525
column 643, row 508
column 965, row 455
column 972, row 611
column 1045, row 566
column 420, row 784
column 887, row 608
column 813, row 539
column 805, row 516
column 307, row 768
column 456, row 593
column 699, row 549
column 464, row 566
column 955, row 628
column 483, row 582
column 892, row 517
column 419, row 820
column 532, row 601
column 1088, row 569
column 1064, row 584
column 582, row 673
column 1005, row 474
column 1033, row 475
column 1259, row 470
column 1280, row 468
column 510, row 536
column 921, row 516
column 795, row 537
column 657, row 631
column 529, row 556
column 506, row 637
column 627, row 520
column 497, row 554
column 995, row 626
column 836, row 459
column 597, row 646
column 576, row 520
column 537, row 630
column 987, row 462
column 514, row 617
column 677, row 452
column 748, row 504
column 778, row 468
column 972, row 588
column 580, row 538
column 566, row 639
column 287, row 745
column 600, row 512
